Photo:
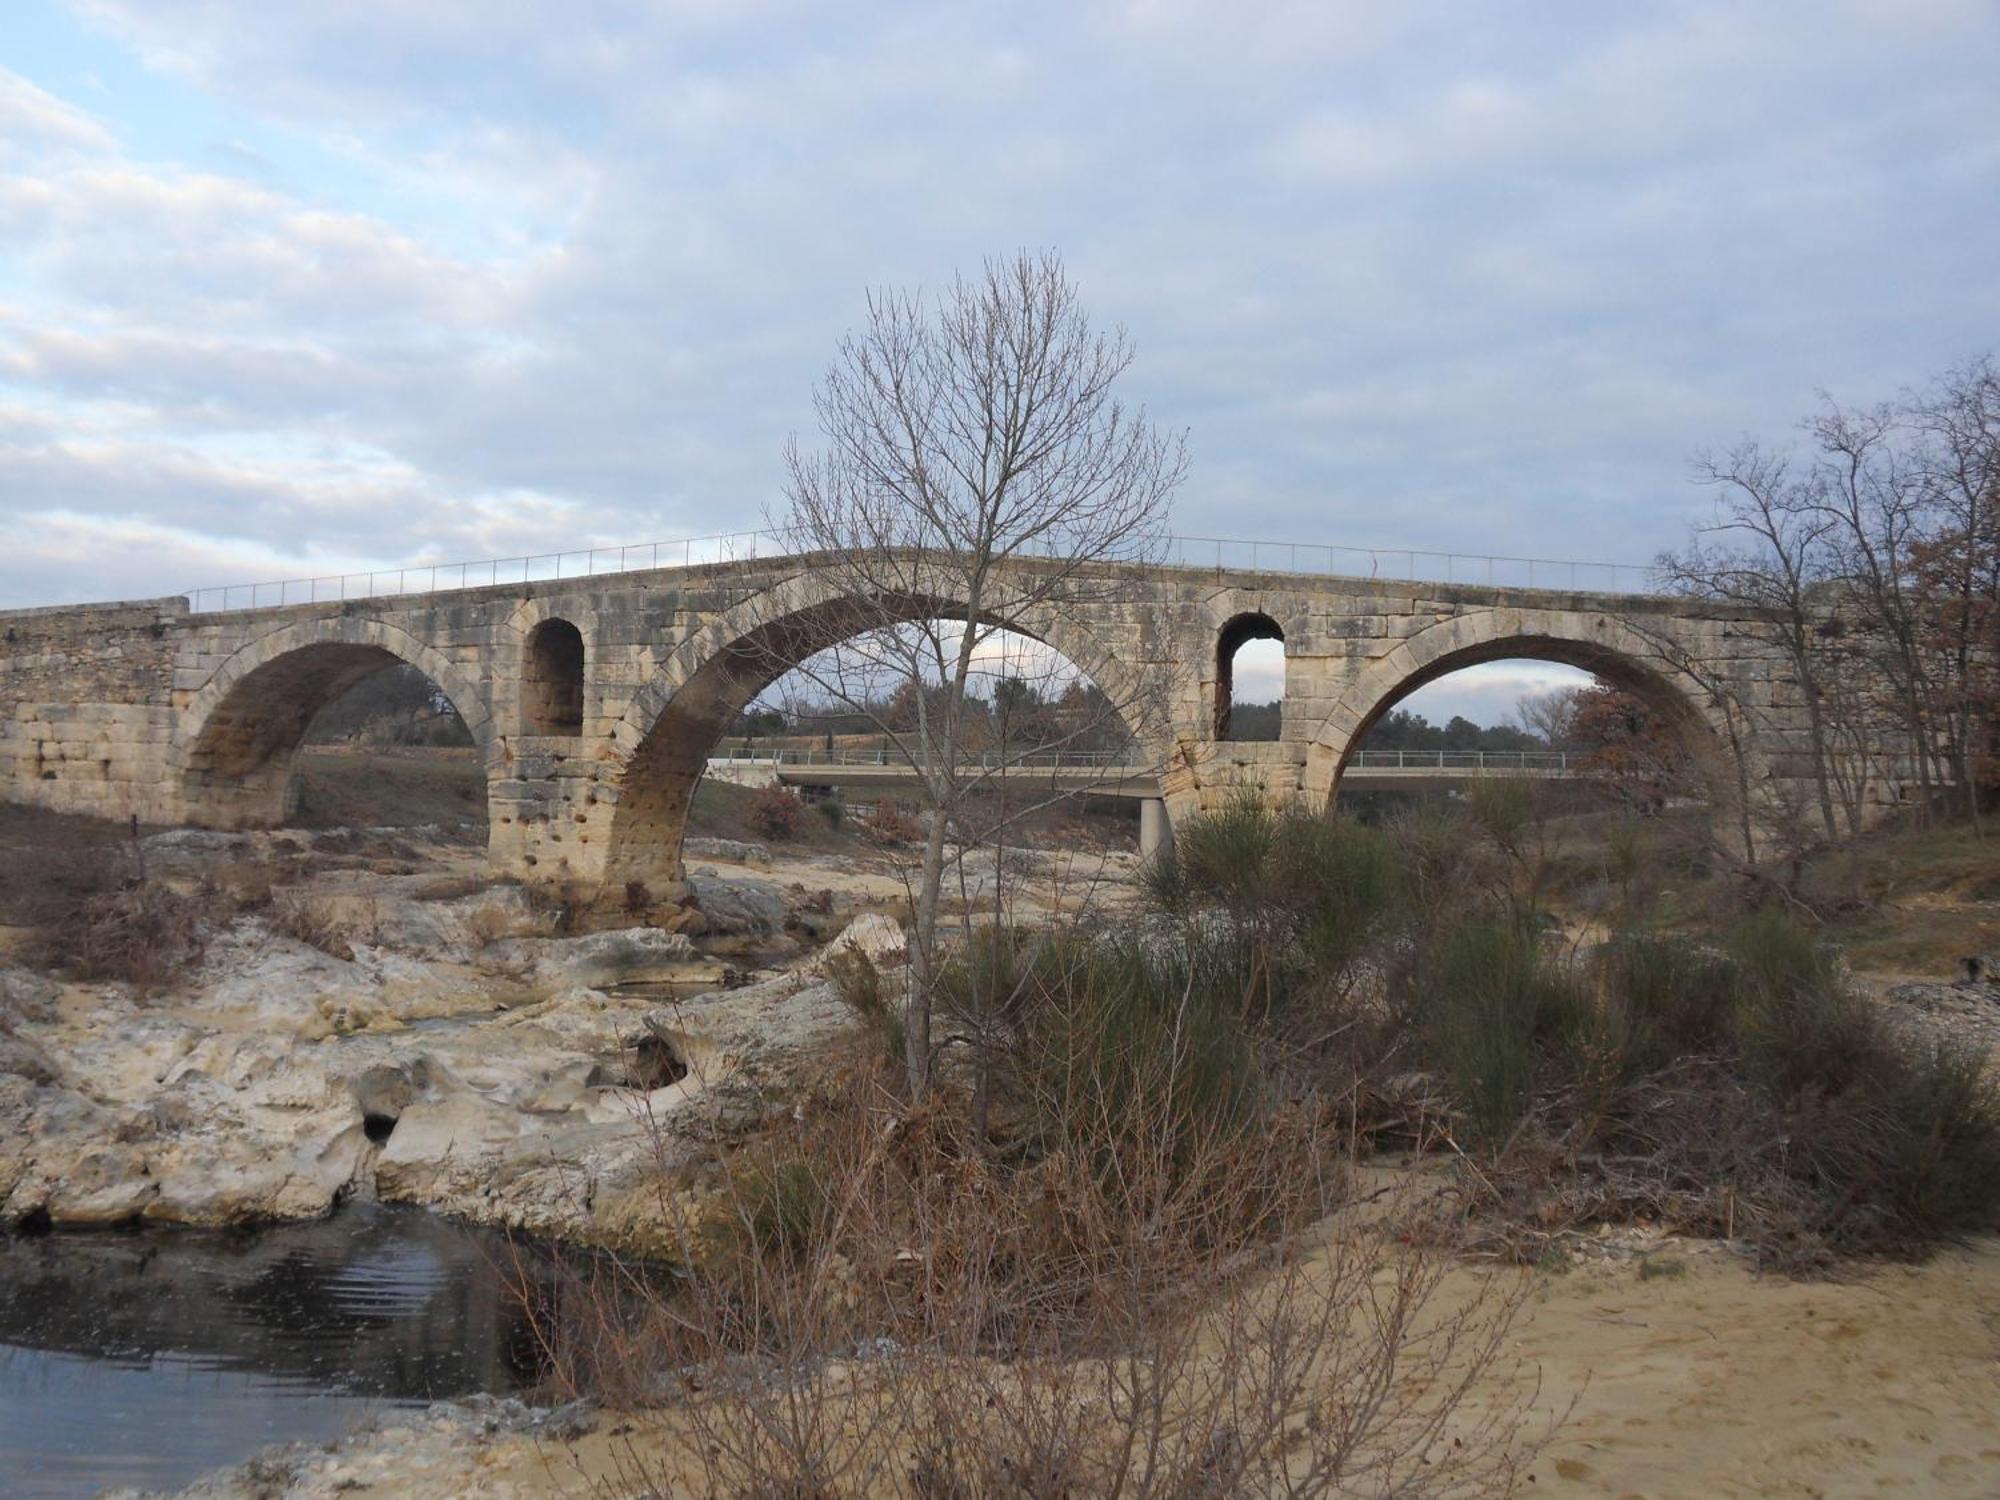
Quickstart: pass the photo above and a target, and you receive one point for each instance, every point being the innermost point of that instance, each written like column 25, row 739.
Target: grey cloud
column 1410, row 274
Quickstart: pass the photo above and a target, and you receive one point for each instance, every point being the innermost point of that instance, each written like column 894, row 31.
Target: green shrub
column 985, row 983
column 858, row 983
column 773, row 1213
column 1490, row 1006
column 1753, row 1090
column 1280, row 902
column 1800, row 1025
column 1666, row 998
column 1114, row 1049
column 1943, row 1156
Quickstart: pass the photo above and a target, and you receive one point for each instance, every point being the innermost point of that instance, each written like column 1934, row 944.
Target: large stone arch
column 233, row 760
column 1712, row 726
column 660, row 746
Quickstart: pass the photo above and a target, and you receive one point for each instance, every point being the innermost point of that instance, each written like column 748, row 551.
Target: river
column 148, row 1357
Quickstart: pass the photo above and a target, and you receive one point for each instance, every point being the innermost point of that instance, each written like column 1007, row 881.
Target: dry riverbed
column 1682, row 1372
column 420, row 1037
column 443, row 1041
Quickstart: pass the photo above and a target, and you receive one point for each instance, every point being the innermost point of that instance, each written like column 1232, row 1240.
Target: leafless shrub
column 777, row 814
column 452, row 887
column 144, row 934
column 873, row 1305
column 888, row 824
column 242, row 887
column 93, row 912
column 489, row 923
column 320, row 923
column 563, row 907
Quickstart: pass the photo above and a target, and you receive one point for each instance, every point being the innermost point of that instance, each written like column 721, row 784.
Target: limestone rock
column 597, row 959
column 27, row 996
column 757, row 908
column 877, row 937
column 25, row 1058
column 736, row 851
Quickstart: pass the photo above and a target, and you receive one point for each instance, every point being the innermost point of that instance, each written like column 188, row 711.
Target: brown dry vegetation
column 1117, row 1248
column 872, row 1304
column 1905, row 901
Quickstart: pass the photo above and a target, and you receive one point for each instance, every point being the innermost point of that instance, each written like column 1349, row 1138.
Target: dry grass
column 404, row 787
column 1096, row 1264
column 872, row 1306
column 334, row 927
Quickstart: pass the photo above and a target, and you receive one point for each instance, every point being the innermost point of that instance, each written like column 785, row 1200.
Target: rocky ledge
column 451, row 1055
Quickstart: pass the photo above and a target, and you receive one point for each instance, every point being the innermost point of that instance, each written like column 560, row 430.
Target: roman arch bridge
column 596, row 701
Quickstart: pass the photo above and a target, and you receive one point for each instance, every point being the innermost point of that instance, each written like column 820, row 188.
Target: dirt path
column 1719, row 1382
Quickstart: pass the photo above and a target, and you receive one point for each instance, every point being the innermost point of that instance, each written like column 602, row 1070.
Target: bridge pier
column 1156, row 830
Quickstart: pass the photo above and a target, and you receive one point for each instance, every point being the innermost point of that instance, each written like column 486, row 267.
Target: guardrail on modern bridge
column 1373, row 760
column 850, row 756
column 1460, row 760
column 1414, row 564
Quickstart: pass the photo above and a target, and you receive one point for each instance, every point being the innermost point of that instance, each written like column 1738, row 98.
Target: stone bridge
column 595, row 703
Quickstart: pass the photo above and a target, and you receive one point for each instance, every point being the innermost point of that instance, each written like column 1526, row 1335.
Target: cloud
column 33, row 119
column 469, row 273
column 1492, row 693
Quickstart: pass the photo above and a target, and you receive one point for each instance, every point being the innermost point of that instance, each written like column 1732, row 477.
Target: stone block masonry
column 144, row 708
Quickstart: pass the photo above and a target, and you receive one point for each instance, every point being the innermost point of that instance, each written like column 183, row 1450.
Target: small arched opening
column 552, row 680
column 1249, row 678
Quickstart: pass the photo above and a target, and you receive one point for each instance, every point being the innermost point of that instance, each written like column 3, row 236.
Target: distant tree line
column 1400, row 729
column 1018, row 714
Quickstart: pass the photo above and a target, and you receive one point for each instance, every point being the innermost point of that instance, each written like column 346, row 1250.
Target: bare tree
column 1876, row 557
column 1547, row 715
column 1769, row 548
column 1957, row 560
column 1872, row 497
column 979, row 481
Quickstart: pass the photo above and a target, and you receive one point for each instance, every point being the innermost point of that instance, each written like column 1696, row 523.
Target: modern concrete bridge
column 1103, row 776
column 597, row 701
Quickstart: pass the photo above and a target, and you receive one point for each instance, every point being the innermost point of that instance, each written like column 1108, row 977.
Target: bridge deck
column 1391, row 771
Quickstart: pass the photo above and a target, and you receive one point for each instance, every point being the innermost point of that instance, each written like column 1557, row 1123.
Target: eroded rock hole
column 383, row 1093
column 651, row 1062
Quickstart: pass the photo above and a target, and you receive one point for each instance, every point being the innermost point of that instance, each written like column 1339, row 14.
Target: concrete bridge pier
column 1156, row 830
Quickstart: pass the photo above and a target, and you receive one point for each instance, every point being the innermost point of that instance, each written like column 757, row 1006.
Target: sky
column 306, row 288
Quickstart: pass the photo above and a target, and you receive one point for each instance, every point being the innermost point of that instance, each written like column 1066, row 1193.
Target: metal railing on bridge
column 1460, row 760
column 845, row 755
column 1415, row 565
column 1375, row 760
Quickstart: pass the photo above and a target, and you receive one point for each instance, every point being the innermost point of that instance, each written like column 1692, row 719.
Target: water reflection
column 146, row 1358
